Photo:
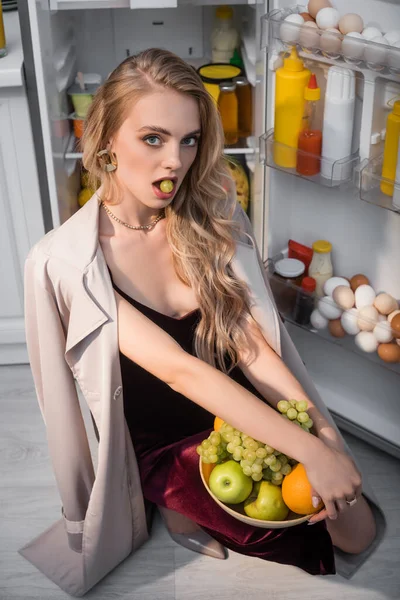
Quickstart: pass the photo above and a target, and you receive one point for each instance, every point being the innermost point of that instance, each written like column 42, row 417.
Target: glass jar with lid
column 285, row 282
column 320, row 267
column 245, row 102
column 228, row 108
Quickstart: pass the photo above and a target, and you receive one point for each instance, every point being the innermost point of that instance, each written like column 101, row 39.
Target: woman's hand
column 335, row 479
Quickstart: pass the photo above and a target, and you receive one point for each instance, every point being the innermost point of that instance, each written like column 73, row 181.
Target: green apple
column 229, row 484
column 268, row 505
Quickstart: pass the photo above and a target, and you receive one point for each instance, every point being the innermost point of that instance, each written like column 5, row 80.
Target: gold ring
column 351, row 502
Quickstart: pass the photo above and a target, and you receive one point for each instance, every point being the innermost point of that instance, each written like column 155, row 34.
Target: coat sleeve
column 58, row 401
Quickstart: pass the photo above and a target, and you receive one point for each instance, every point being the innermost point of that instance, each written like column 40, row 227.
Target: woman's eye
column 191, row 141
column 152, row 140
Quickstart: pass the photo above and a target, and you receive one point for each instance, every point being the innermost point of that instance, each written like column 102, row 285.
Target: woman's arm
column 333, row 475
column 272, row 378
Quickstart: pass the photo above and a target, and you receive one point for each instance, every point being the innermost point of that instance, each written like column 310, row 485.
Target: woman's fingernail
column 315, row 501
column 312, row 522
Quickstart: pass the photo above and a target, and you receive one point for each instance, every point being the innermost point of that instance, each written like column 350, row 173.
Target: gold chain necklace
column 137, row 227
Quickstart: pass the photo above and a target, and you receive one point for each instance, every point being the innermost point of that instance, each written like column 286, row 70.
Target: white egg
column 349, row 320
column 317, row 320
column 383, row 332
column 290, row 28
column 394, row 57
column 327, row 17
column 309, row 35
column 392, row 37
column 371, row 32
column 332, row 283
column 367, row 318
column 353, row 45
column 365, row 296
column 331, row 41
column 375, row 51
column 366, row 341
column 329, row 309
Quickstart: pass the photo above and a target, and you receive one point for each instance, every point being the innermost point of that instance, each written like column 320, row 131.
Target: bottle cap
column 227, row 86
column 308, row 284
column 240, row 81
column 289, row 267
column 293, row 62
column 224, row 12
column 322, row 246
column 312, row 91
column 396, row 108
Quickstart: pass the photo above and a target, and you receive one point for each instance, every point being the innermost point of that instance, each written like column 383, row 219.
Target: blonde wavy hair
column 199, row 222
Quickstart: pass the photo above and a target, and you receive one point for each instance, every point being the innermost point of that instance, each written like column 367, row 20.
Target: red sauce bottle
column 310, row 139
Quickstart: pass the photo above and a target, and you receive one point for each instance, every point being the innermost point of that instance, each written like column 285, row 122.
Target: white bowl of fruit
column 252, row 481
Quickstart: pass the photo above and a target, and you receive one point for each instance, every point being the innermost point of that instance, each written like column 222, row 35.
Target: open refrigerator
column 62, row 37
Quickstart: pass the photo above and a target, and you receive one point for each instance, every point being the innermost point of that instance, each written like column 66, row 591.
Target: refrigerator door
column 50, row 67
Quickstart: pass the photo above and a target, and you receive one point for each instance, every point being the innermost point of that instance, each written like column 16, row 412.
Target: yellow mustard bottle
column 391, row 150
column 3, row 48
column 290, row 85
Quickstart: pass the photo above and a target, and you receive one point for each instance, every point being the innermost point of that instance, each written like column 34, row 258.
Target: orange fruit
column 296, row 492
column 217, row 423
column 207, row 468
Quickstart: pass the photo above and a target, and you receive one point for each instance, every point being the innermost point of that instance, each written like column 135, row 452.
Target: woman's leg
column 355, row 529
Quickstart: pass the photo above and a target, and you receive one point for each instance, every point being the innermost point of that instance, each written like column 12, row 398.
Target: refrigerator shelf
column 371, row 182
column 335, row 172
column 239, row 148
column 281, row 36
column 285, row 297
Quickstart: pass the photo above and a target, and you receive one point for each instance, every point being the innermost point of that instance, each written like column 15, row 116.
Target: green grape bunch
column 258, row 460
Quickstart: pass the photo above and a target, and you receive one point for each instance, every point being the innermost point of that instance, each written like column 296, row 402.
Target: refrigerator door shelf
column 370, row 185
column 336, row 172
column 278, row 34
column 285, row 297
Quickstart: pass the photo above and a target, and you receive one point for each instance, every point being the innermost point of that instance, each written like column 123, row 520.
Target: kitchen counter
column 11, row 74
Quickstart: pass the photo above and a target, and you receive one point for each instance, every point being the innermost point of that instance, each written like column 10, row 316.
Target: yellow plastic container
column 291, row 83
column 214, row 74
column 391, row 149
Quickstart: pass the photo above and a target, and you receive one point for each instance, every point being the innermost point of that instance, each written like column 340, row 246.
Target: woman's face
column 158, row 140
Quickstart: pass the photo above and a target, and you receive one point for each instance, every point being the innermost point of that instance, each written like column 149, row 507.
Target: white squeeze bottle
column 337, row 132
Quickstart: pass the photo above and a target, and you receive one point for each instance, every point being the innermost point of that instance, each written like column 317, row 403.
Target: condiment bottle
column 320, row 267
column 337, row 130
column 291, row 82
column 3, row 49
column 288, row 274
column 245, row 102
column 391, row 149
column 228, row 108
column 310, row 138
column 224, row 38
column 396, row 192
column 305, row 301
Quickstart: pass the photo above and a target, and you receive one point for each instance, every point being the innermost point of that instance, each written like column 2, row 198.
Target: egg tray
column 285, row 293
column 336, row 172
column 360, row 53
column 237, row 511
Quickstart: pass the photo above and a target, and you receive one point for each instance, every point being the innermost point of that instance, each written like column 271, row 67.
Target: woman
column 196, row 349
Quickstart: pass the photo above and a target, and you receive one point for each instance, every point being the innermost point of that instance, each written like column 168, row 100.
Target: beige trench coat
column 71, row 329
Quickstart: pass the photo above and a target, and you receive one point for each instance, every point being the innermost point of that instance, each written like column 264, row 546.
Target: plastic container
column 305, row 301
column 288, row 275
column 301, row 252
column 214, row 74
column 245, row 102
column 82, row 99
column 228, row 108
column 391, row 149
column 224, row 38
column 320, row 267
column 3, row 47
column 78, row 124
column 291, row 81
column 337, row 131
column 310, row 138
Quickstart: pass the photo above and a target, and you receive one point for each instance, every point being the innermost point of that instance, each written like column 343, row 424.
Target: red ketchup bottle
column 310, row 139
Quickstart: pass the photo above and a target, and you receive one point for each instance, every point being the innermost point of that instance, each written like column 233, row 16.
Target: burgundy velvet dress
column 166, row 427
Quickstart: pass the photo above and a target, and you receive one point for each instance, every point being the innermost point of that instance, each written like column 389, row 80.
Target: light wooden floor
column 162, row 570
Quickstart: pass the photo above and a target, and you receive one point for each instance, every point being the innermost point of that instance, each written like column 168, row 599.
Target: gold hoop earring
column 108, row 160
